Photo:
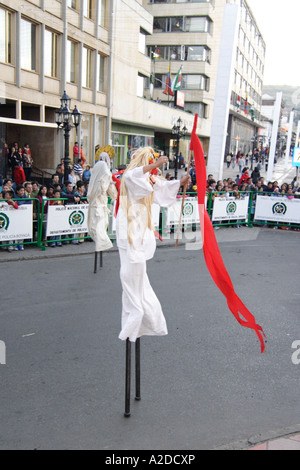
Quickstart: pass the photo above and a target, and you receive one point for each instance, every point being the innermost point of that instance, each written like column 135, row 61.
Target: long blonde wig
column 141, row 157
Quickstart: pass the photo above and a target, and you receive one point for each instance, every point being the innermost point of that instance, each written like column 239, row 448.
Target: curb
column 262, row 438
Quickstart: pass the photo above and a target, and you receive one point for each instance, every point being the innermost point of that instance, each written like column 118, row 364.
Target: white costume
column 141, row 310
column 100, row 185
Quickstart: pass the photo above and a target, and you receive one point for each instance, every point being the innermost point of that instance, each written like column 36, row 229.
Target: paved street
column 204, row 386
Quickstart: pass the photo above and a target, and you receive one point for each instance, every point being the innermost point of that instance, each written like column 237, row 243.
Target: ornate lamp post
column 64, row 120
column 178, row 133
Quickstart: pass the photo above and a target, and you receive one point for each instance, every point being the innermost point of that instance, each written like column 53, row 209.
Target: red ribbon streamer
column 212, row 254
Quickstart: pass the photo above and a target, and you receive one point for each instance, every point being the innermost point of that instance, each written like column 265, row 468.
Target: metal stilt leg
column 127, row 378
column 138, row 369
column 101, row 259
column 95, row 262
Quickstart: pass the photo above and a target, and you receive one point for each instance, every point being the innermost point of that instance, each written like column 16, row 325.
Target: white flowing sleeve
column 165, row 192
column 137, row 183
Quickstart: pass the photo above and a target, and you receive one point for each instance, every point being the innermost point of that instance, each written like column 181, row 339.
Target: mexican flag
column 176, row 85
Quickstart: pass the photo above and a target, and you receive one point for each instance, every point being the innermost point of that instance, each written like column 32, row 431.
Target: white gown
column 100, row 186
column 141, row 310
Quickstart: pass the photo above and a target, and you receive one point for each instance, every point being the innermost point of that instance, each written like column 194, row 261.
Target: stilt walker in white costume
column 141, row 310
column 100, row 186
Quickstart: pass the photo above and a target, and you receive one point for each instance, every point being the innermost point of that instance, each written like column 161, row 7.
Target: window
column 88, row 9
column 192, row 53
column 28, row 45
column 101, row 65
column 197, row 108
column 51, row 54
column 176, row 24
column 195, row 82
column 102, row 13
column 140, row 85
column 87, row 68
column 198, row 53
column 6, row 35
column 72, row 4
column 142, row 41
column 71, row 61
column 199, row 24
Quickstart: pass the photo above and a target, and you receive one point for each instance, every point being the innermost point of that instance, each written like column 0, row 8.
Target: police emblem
column 76, row 218
column 4, row 222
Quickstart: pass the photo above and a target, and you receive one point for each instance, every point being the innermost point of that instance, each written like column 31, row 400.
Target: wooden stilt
column 138, row 369
column 95, row 262
column 127, row 379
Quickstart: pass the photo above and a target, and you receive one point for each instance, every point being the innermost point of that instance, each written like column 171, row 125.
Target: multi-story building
column 47, row 47
column 187, row 34
column 104, row 54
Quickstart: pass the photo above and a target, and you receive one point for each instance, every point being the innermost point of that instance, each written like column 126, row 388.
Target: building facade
column 186, row 35
column 114, row 59
column 48, row 47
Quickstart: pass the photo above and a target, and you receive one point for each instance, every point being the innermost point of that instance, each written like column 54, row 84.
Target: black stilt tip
column 127, row 415
column 137, row 398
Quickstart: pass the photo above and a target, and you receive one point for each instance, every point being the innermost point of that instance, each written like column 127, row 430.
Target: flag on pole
column 246, row 104
column 212, row 254
column 238, row 102
column 176, row 85
column 168, row 90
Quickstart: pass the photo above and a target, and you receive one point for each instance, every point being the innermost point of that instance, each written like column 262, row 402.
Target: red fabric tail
column 212, row 254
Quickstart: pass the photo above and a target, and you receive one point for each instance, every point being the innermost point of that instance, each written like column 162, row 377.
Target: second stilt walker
column 141, row 187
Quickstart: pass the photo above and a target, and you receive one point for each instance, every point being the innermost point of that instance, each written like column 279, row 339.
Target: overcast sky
column 278, row 21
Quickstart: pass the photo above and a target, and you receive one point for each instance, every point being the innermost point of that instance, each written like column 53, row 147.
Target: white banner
column 190, row 213
column 15, row 224
column 67, row 220
column 277, row 209
column 230, row 208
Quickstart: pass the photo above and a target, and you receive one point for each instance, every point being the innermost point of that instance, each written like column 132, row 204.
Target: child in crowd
column 55, row 201
column 7, row 200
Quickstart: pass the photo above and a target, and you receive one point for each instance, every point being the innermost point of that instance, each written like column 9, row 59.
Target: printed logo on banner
column 231, row 208
column 279, row 208
column 76, row 218
column 188, row 209
column 4, row 222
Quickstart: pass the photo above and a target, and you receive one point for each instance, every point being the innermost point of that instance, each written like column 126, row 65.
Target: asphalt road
column 205, row 385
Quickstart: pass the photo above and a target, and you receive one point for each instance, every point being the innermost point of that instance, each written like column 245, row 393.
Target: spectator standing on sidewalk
column 55, row 201
column 69, row 194
column 8, row 195
column 19, row 175
column 27, row 162
column 21, row 200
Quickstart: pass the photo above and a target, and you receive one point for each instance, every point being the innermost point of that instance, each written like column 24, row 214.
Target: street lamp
column 178, row 133
column 64, row 120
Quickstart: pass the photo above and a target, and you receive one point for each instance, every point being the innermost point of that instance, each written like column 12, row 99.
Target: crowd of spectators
column 19, row 189
column 245, row 183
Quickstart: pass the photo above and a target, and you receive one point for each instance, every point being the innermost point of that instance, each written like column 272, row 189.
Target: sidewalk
column 280, row 174
column 289, row 442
